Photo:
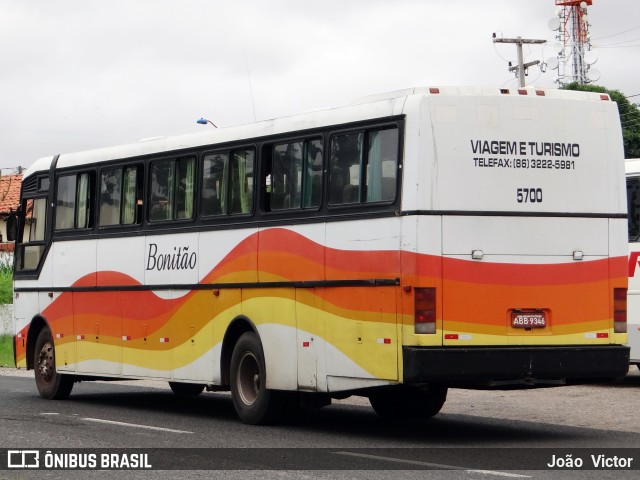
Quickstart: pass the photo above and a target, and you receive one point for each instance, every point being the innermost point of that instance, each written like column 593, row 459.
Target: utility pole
column 519, row 41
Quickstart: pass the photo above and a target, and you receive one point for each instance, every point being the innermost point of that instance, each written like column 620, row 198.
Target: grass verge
column 6, row 351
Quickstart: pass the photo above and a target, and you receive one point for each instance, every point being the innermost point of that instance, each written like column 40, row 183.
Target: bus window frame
column 636, row 179
column 20, row 242
column 72, row 231
column 140, row 195
column 174, row 157
column 365, row 129
column 229, row 216
column 266, row 169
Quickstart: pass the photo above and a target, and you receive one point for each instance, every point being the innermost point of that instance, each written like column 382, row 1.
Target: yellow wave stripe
column 339, row 331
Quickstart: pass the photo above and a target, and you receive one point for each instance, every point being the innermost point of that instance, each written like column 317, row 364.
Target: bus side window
column 66, row 202
column 344, row 169
column 110, row 196
column 74, row 202
column 286, row 176
column 131, row 195
column 293, row 175
column 633, row 207
column 172, row 190
column 215, row 173
column 241, row 181
column 312, row 180
column 358, row 178
column 120, row 192
column 162, row 191
column 31, row 239
column 382, row 163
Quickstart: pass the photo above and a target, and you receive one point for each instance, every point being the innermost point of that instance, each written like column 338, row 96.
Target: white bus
column 633, row 205
column 393, row 248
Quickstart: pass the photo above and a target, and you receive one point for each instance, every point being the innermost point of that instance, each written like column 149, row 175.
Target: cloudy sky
column 79, row 74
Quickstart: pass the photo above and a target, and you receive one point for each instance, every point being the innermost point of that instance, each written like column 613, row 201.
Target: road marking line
column 49, row 413
column 435, row 465
column 134, row 425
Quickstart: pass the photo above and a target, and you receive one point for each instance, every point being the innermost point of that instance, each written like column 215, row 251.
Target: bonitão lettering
column 178, row 259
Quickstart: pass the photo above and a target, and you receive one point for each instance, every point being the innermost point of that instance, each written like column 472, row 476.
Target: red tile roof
column 9, row 193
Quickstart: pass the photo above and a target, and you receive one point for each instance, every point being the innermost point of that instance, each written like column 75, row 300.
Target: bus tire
column 51, row 384
column 254, row 403
column 186, row 389
column 411, row 402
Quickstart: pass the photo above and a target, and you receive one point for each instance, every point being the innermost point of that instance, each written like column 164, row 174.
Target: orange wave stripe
column 288, row 256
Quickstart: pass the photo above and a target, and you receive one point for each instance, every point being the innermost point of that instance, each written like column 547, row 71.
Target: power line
column 607, row 45
column 622, row 46
column 619, row 33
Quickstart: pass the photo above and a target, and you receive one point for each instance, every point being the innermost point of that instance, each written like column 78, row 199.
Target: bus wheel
column 401, row 403
column 186, row 389
column 254, row 403
column 51, row 384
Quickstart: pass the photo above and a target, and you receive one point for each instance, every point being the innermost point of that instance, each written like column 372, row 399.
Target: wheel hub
column 46, row 364
column 249, row 378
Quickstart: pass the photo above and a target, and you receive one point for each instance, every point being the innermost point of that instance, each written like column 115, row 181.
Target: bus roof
column 365, row 108
column 632, row 165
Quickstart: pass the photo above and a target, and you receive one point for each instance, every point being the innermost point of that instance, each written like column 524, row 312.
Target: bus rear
column 520, row 219
column 633, row 199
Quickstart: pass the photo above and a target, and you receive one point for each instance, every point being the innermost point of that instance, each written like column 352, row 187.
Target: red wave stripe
column 281, row 239
column 527, row 274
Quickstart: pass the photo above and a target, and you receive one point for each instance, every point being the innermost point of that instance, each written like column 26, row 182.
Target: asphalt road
column 470, row 438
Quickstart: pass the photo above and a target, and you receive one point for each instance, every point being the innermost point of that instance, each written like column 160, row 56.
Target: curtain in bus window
column 65, row 202
column 82, row 212
column 129, row 189
column 110, row 193
column 381, row 165
column 242, row 181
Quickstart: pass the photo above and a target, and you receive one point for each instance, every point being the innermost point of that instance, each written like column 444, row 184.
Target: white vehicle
column 392, row 248
column 633, row 205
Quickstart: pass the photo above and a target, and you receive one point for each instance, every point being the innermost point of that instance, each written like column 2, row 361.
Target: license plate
column 528, row 320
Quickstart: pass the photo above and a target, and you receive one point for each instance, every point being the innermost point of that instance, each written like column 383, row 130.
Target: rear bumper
column 496, row 366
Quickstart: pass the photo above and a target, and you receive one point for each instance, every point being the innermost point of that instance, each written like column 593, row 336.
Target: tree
column 629, row 117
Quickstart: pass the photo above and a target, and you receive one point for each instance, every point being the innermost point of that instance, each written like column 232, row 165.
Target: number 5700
column 529, row 195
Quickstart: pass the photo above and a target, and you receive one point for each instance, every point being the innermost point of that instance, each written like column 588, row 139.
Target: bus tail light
column 425, row 310
column 620, row 310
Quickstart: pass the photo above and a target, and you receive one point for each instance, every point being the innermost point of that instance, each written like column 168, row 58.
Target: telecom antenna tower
column 575, row 57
